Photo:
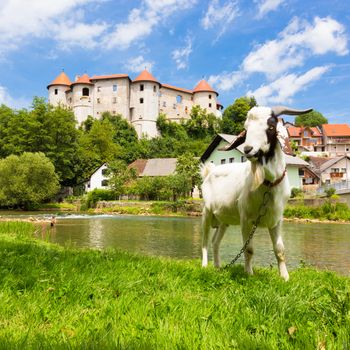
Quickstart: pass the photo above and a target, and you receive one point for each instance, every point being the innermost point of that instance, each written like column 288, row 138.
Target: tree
column 313, row 118
column 27, row 180
column 46, row 129
column 119, row 176
column 235, row 115
column 188, row 166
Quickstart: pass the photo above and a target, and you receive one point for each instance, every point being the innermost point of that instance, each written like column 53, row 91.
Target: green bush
column 296, row 192
column 99, row 195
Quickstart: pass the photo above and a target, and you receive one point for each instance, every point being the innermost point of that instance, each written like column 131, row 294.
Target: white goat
column 233, row 193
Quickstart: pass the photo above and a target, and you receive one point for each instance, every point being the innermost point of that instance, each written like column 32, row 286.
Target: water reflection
column 323, row 245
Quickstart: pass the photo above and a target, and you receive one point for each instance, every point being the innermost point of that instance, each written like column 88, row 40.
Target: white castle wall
column 57, row 94
column 207, row 100
column 145, row 108
column 115, row 102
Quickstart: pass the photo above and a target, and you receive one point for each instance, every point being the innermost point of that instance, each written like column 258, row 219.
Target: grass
column 329, row 210
column 65, row 298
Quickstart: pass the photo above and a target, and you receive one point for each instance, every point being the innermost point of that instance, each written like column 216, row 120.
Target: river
column 326, row 246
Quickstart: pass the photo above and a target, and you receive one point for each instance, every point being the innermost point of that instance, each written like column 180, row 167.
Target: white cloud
column 227, row 81
column 141, row 21
column 284, row 88
column 8, row 100
column 266, row 6
column 295, row 43
column 181, row 55
column 138, row 64
column 21, row 20
column 220, row 16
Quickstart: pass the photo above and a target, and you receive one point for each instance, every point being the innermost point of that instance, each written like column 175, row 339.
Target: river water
column 325, row 246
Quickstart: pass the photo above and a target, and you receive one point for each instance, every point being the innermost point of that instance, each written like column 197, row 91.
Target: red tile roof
column 336, row 129
column 294, row 131
column 84, row 79
column 316, row 131
column 145, row 75
column 62, row 79
column 139, row 165
column 111, row 76
column 176, row 88
column 203, row 86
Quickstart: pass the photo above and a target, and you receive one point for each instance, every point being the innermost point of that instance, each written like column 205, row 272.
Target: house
column 216, row 155
column 306, row 138
column 98, row 179
column 143, row 167
column 332, row 171
column 336, row 139
column 139, row 101
column 154, row 167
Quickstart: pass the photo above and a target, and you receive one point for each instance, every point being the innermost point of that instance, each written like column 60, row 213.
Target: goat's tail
column 206, row 169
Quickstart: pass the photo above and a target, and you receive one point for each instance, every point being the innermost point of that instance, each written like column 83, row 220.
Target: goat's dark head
column 263, row 131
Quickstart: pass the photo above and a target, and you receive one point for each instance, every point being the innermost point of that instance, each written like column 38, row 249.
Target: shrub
column 296, row 192
column 99, row 195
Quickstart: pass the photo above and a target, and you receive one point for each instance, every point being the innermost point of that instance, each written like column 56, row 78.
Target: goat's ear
column 283, row 139
column 237, row 141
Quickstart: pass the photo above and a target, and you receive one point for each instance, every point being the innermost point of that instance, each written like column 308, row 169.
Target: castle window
column 98, row 100
column 210, row 96
column 154, row 88
column 209, row 104
column 98, row 88
column 141, row 100
column 56, row 91
column 114, row 112
column 115, row 87
column 186, row 109
column 178, row 98
column 86, row 91
column 164, row 103
column 141, row 87
column 114, row 100
column 174, row 105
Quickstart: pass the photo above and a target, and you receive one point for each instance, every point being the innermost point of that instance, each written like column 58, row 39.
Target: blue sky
column 292, row 52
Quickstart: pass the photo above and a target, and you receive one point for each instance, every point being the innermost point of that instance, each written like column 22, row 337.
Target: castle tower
column 144, row 108
column 58, row 88
column 82, row 98
column 205, row 96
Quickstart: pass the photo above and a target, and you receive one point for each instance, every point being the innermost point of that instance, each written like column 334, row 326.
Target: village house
column 332, row 171
column 336, row 139
column 140, row 101
column 332, row 140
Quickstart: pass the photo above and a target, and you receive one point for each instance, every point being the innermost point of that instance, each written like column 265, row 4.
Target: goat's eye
column 271, row 127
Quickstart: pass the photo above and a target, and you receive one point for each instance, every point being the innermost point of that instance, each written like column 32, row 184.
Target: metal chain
column 262, row 212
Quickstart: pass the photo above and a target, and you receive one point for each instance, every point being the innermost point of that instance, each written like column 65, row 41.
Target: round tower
column 145, row 104
column 205, row 96
column 58, row 89
column 82, row 98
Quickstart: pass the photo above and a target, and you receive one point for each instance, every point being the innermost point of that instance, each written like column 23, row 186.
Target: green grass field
column 64, row 298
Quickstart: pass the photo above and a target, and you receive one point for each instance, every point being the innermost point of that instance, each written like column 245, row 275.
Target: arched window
column 86, row 91
column 178, row 99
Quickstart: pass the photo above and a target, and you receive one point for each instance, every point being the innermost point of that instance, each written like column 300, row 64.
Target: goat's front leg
column 248, row 253
column 219, row 233
column 278, row 247
column 205, row 235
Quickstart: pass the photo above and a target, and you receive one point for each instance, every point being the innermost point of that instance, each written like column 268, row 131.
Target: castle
column 140, row 101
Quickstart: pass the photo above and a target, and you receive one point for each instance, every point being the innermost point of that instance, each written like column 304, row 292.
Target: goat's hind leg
column 206, row 225
column 219, row 233
column 278, row 248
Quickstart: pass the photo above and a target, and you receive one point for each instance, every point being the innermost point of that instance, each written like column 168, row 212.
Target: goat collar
column 278, row 181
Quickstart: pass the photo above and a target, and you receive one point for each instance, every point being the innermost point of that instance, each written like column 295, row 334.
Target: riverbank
column 54, row 297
